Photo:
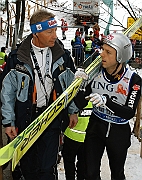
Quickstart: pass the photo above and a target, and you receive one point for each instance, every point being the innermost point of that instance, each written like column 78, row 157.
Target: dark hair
column 3, row 49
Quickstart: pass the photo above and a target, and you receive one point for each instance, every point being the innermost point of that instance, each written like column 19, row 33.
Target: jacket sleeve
column 72, row 109
column 69, row 61
column 66, row 78
column 8, row 96
column 80, row 100
column 128, row 110
column 70, row 67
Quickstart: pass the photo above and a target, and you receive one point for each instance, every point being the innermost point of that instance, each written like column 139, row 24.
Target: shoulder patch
column 21, row 68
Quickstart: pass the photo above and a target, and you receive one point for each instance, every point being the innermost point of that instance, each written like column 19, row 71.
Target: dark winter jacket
column 18, row 85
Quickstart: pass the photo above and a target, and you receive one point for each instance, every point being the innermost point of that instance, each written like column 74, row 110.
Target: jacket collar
column 23, row 53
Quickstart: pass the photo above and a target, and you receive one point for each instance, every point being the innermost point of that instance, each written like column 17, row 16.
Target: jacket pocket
column 23, row 86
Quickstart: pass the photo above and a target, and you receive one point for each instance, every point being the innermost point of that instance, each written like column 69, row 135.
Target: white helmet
column 121, row 44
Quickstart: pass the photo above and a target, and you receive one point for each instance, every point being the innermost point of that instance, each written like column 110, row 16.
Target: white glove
column 97, row 99
column 80, row 73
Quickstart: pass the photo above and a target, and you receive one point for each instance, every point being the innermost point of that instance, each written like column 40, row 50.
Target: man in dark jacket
column 77, row 50
column 32, row 81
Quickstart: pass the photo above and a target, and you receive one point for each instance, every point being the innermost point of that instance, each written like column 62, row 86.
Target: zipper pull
column 22, row 85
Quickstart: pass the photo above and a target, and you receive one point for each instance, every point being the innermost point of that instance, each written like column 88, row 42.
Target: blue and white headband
column 42, row 26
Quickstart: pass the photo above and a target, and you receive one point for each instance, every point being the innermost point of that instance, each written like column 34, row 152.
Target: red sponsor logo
column 52, row 23
column 136, row 87
column 121, row 90
column 110, row 37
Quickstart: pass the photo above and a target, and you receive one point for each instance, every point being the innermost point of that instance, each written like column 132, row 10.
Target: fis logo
column 39, row 27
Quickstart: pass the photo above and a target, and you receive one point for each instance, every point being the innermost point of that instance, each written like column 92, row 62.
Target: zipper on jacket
column 22, row 85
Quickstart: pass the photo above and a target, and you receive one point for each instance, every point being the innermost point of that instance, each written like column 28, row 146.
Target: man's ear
column 35, row 35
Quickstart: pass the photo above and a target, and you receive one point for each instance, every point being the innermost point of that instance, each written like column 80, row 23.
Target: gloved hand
column 97, row 99
column 80, row 73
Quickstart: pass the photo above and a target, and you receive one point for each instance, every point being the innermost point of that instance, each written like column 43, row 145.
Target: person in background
column 32, row 79
column 3, row 56
column 102, row 37
column 96, row 30
column 114, row 93
column 77, row 50
column 78, row 32
column 91, row 34
column 64, row 28
column 73, row 146
column 96, row 46
column 86, row 27
column 88, row 46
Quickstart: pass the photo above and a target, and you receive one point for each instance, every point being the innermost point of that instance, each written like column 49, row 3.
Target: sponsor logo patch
column 109, row 37
column 52, row 23
column 136, row 87
column 39, row 27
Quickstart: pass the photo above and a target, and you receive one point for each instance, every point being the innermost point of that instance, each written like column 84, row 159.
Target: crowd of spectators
column 85, row 43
